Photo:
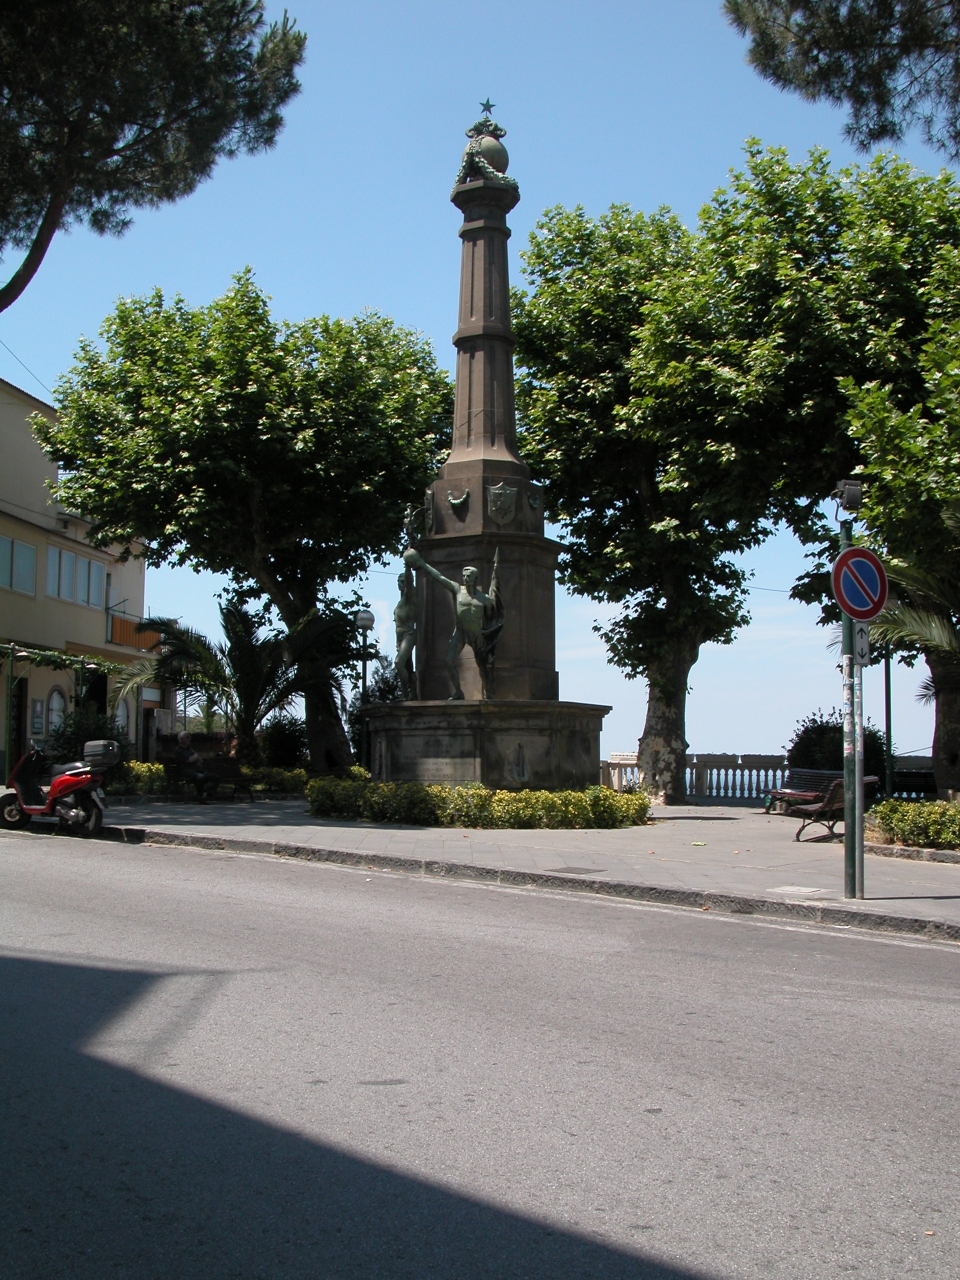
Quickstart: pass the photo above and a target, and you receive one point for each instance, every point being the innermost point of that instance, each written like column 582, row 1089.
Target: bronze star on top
column 487, row 107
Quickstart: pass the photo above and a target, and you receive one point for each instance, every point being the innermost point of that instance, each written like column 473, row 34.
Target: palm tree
column 246, row 676
column 923, row 614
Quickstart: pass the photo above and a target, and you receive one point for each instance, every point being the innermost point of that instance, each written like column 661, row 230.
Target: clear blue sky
column 643, row 102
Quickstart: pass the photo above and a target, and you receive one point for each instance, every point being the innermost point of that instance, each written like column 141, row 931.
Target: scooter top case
column 101, row 753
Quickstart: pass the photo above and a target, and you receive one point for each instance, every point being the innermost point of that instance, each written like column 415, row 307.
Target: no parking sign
column 859, row 583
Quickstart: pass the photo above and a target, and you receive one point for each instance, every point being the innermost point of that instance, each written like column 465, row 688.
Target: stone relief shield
column 501, row 502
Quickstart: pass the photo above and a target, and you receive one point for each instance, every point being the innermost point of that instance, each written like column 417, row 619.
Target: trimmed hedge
column 275, row 779
column 417, row 804
column 140, row 778
column 137, row 778
column 925, row 824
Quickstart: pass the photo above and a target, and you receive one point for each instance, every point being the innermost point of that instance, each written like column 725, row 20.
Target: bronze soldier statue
column 479, row 619
column 405, row 620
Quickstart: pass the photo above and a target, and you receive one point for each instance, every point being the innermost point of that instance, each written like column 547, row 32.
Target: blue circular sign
column 859, row 583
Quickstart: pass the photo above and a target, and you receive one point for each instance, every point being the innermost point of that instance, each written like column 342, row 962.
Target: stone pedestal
column 511, row 745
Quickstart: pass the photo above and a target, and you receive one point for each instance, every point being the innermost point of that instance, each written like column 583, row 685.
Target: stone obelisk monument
column 489, row 709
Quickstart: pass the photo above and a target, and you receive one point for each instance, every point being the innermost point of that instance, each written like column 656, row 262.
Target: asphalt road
column 229, row 1066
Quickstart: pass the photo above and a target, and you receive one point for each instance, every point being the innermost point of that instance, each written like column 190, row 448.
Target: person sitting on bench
column 190, row 767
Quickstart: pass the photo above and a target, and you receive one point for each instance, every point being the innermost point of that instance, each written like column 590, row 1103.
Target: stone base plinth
column 505, row 745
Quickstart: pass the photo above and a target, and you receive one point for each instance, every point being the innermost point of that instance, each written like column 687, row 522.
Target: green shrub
column 414, row 804
column 265, row 779
column 86, row 724
column 335, row 797
column 927, row 824
column 408, row 802
column 283, row 742
column 467, row 806
column 817, row 743
column 137, row 778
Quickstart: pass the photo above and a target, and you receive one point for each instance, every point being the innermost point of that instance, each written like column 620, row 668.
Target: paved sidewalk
column 731, row 859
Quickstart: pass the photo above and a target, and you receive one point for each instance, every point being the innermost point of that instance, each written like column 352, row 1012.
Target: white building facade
column 59, row 593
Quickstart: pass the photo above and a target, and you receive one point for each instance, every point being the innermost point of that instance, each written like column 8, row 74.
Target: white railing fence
column 730, row 777
column 719, row 777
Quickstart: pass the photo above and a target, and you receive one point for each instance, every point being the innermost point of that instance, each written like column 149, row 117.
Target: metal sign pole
column 888, row 726
column 849, row 744
column 858, row 716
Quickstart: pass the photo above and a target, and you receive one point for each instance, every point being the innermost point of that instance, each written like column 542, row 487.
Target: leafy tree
column 112, row 105
column 636, row 534
column 281, row 454
column 680, row 393
column 892, row 62
column 911, row 457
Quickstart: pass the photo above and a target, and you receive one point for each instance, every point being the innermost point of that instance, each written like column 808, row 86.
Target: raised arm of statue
column 417, row 561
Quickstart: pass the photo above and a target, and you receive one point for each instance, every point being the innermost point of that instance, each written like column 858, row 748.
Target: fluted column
column 484, row 422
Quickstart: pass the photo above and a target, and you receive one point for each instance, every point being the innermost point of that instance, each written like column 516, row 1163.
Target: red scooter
column 70, row 792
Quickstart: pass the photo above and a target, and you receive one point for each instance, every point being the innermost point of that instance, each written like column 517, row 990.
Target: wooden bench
column 223, row 770
column 802, row 786
column 825, row 811
column 226, row 771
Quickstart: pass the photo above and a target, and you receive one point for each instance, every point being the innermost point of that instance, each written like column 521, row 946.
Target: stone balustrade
column 745, row 778
column 717, row 777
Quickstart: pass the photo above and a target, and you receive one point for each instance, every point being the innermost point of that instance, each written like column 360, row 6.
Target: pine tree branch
column 47, row 229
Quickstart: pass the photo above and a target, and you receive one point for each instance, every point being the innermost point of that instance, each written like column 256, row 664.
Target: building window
column 122, row 717
column 73, row 577
column 68, row 575
column 24, row 567
column 18, row 565
column 56, row 710
column 96, row 584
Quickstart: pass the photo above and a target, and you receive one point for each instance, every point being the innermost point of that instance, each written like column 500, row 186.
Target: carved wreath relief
column 459, row 505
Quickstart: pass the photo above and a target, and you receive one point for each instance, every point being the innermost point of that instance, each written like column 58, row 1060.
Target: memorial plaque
column 446, row 769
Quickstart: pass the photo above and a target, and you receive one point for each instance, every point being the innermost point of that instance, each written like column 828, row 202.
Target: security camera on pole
column 860, row 588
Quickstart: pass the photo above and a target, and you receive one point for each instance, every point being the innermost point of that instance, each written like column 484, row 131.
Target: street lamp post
column 364, row 620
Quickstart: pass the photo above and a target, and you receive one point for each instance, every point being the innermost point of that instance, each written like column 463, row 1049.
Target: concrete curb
column 848, row 917
column 913, row 853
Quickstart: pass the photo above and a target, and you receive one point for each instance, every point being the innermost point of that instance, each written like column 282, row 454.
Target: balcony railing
column 122, row 629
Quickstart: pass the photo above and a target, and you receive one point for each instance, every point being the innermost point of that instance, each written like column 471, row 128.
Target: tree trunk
column 945, row 674
column 248, row 749
column 49, row 223
column 662, row 751
column 326, row 738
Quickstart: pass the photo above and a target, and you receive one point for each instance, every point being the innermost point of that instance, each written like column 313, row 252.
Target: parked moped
column 73, row 792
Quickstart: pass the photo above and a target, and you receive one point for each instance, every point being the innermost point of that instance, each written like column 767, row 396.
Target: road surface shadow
column 108, row 1174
